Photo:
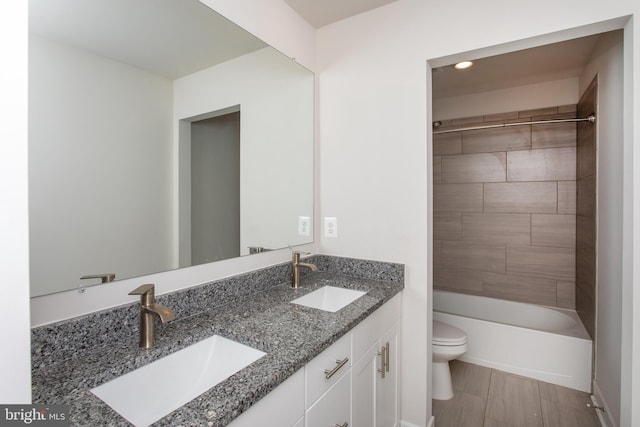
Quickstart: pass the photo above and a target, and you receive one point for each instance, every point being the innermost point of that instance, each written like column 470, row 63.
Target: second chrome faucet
column 149, row 308
column 295, row 278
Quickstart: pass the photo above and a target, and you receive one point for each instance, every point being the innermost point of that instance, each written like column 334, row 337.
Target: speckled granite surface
column 263, row 318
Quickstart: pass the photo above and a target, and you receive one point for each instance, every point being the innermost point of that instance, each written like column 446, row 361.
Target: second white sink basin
column 149, row 393
column 329, row 298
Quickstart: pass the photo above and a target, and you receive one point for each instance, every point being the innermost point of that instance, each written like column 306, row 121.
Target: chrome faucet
column 295, row 279
column 148, row 308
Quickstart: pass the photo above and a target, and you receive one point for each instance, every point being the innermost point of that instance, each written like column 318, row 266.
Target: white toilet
column 448, row 343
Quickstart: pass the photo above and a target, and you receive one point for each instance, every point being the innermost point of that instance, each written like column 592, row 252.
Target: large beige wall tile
column 570, row 108
column 500, row 139
column 566, row 295
column 567, row 197
column 547, row 111
column 447, row 143
column 447, row 225
column 553, row 230
column 437, row 169
column 521, row 197
column 457, row 197
column 586, row 154
column 466, row 281
column 553, row 135
column 541, row 262
column 483, row 167
column 585, row 258
column 520, row 288
column 437, row 253
column 496, row 228
column 551, row 164
column 586, row 196
column 585, row 220
column 474, row 256
column 501, row 117
column 467, row 121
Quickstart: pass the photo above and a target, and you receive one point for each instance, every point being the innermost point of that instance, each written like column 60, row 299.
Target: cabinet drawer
column 334, row 408
column 316, row 378
column 370, row 329
column 282, row 407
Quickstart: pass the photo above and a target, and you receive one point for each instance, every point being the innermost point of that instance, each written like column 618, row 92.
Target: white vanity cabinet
column 344, row 385
column 283, row 407
column 328, row 386
column 334, row 407
column 375, row 371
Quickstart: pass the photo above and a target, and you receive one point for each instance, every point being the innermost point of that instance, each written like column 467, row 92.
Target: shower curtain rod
column 590, row 118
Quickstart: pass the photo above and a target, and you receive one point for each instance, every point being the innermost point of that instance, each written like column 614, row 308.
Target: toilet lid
column 445, row 334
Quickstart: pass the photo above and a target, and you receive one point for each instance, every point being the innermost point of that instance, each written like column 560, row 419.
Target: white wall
column 519, row 98
column 374, row 88
column 606, row 63
column 100, row 145
column 15, row 386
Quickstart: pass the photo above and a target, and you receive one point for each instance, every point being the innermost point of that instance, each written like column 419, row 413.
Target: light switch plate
column 331, row 226
column 304, row 226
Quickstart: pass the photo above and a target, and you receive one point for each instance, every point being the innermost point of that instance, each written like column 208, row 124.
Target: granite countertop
column 290, row 334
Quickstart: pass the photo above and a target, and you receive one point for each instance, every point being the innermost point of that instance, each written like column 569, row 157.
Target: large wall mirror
column 161, row 136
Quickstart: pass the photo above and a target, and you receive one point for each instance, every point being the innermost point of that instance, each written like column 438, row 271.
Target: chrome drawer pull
column 346, row 424
column 383, row 361
column 386, row 357
column 328, row 373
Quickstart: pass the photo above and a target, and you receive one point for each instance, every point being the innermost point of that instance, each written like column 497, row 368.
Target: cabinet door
column 388, row 403
column 334, row 407
column 364, row 388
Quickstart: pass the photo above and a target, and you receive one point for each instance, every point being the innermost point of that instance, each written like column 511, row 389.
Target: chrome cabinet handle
column 383, row 360
column 346, row 424
column 386, row 357
column 328, row 373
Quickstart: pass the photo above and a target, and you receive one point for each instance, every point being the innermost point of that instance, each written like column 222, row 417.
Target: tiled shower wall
column 504, row 208
column 586, row 212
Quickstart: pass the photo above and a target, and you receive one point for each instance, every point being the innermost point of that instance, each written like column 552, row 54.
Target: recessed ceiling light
column 462, row 65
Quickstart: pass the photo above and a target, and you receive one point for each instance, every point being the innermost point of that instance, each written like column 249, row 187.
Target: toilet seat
column 447, row 335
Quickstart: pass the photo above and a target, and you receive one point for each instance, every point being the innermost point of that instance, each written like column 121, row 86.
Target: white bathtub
column 544, row 343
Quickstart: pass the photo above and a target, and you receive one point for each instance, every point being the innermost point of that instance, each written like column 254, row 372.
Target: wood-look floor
column 486, row 397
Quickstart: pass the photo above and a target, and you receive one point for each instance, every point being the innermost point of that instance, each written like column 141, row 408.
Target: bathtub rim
column 578, row 331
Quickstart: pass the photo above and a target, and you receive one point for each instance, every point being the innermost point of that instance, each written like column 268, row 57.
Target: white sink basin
column 149, row 393
column 329, row 298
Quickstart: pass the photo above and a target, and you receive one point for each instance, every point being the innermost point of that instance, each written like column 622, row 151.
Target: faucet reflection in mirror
column 86, row 104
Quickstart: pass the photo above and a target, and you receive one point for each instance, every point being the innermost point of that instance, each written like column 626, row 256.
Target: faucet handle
column 143, row 290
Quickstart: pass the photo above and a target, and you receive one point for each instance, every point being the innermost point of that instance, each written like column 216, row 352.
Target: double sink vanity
column 322, row 354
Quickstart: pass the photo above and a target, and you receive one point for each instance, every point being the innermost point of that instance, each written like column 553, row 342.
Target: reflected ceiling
column 143, row 39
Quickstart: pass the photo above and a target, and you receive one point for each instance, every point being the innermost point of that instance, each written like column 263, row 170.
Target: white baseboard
column 432, row 422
